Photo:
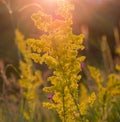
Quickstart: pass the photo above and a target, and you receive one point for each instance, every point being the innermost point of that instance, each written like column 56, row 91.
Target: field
column 59, row 61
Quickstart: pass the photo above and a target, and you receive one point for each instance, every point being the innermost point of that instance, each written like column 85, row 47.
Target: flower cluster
column 30, row 80
column 58, row 47
column 108, row 91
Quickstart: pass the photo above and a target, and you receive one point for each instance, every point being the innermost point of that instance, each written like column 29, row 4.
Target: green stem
column 64, row 113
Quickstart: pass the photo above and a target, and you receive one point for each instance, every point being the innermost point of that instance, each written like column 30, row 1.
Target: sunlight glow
column 54, row 0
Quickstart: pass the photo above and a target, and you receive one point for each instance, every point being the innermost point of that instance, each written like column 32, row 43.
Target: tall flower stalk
column 58, row 47
column 30, row 79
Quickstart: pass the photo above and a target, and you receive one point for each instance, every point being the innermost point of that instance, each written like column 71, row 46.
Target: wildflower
column 92, row 99
column 26, row 115
column 60, row 47
column 117, row 67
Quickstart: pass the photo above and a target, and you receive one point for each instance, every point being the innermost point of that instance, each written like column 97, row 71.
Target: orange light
column 53, row 0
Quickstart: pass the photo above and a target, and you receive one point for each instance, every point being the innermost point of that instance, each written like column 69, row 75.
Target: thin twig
column 30, row 5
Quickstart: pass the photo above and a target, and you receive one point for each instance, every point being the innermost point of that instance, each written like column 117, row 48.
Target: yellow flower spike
column 108, row 93
column 87, row 120
column 96, row 74
column 91, row 99
column 83, row 91
column 117, row 50
column 113, row 80
column 46, row 20
column 117, row 67
column 83, row 108
column 26, row 115
column 30, row 79
column 58, row 48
